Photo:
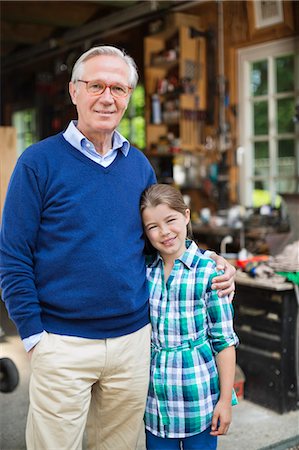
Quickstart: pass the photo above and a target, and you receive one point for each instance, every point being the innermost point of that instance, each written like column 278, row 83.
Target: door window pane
column 259, row 78
column 286, row 157
column 287, row 185
column 285, row 73
column 261, row 159
column 285, row 113
column 260, row 118
column 262, row 188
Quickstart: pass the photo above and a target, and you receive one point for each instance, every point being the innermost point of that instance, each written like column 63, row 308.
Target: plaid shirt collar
column 189, row 258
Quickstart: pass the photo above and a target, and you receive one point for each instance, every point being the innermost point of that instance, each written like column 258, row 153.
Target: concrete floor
column 253, row 427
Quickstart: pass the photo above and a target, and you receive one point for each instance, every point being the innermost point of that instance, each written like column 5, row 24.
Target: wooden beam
column 101, row 26
column 24, row 33
column 50, row 13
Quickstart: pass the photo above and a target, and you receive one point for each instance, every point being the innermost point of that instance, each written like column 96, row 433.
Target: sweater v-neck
column 79, row 155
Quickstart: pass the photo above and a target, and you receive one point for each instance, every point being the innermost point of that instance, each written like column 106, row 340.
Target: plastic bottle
column 156, row 109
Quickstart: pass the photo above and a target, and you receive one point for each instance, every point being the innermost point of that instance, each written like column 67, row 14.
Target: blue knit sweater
column 72, row 243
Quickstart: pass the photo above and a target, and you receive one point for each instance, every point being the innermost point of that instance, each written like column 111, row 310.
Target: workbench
column 266, row 321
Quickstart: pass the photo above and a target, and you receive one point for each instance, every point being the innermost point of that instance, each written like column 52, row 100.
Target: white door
column 269, row 121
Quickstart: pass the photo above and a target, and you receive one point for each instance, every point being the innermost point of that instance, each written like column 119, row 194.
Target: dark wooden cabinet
column 266, row 321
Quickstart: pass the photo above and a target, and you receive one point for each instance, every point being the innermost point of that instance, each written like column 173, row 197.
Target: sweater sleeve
column 18, row 240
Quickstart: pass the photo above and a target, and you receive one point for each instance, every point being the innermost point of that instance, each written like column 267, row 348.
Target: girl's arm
column 222, row 416
column 223, row 340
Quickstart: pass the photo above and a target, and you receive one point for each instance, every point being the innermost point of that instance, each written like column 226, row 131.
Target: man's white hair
column 106, row 50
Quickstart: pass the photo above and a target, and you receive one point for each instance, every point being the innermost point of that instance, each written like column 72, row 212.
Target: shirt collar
column 76, row 138
column 189, row 258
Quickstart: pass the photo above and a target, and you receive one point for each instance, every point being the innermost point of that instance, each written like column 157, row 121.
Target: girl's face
column 166, row 230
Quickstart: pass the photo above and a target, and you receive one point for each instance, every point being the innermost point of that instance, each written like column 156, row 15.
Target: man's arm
column 224, row 284
column 20, row 226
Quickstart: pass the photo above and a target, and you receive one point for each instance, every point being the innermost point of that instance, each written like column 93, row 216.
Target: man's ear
column 73, row 92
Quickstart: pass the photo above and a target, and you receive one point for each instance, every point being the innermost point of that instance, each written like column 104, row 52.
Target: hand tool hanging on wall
column 209, row 35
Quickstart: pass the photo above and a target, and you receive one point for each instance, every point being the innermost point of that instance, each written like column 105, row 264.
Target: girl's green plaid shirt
column 190, row 324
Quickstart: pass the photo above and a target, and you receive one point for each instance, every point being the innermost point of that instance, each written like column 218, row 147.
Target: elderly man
column 73, row 269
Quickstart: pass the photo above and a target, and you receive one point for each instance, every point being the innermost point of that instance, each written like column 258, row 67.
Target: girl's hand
column 222, row 418
column 224, row 284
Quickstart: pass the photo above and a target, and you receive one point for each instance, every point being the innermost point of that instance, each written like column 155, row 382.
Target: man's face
column 100, row 114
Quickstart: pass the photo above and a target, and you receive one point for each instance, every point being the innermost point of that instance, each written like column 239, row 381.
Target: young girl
column 189, row 400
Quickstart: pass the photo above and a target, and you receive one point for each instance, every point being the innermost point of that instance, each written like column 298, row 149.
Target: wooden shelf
column 167, row 65
column 187, row 86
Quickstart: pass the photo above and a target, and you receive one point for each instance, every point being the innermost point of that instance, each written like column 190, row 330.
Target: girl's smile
column 169, row 242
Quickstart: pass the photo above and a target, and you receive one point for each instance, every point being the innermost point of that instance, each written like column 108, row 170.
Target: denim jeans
column 201, row 441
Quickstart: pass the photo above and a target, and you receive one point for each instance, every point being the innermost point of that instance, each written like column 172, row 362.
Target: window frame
column 247, row 56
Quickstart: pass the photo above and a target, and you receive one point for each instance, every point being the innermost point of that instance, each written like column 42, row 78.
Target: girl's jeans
column 201, row 441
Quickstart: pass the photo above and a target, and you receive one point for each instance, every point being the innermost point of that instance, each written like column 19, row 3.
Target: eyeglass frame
column 107, row 85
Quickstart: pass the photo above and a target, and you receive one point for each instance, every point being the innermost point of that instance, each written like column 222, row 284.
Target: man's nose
column 106, row 95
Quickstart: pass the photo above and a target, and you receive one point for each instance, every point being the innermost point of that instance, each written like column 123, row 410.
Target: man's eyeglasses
column 98, row 87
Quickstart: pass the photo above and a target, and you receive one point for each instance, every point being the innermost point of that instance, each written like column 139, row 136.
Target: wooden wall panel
column 8, row 158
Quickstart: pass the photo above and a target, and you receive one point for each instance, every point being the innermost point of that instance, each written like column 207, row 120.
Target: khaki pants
column 73, row 376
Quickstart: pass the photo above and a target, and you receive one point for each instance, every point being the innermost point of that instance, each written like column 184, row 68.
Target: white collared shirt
column 81, row 143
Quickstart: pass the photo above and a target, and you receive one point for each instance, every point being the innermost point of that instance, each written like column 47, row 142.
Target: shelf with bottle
column 175, row 82
column 170, row 95
column 166, row 112
column 181, row 116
